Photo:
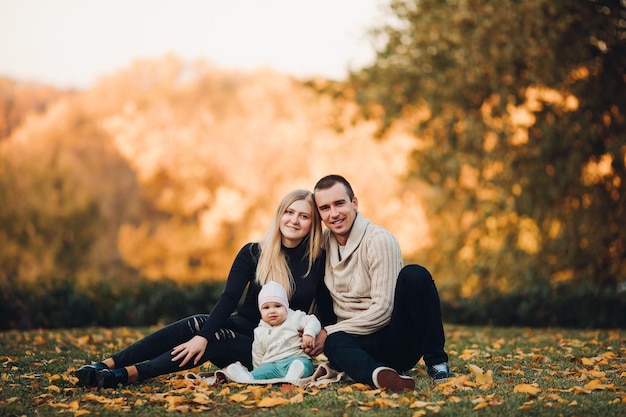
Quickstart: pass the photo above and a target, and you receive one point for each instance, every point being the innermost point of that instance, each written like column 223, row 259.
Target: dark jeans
column 415, row 331
column 152, row 354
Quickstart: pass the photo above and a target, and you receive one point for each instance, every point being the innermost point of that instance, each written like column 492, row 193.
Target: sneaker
column 111, row 378
column 86, row 374
column 389, row 379
column 440, row 372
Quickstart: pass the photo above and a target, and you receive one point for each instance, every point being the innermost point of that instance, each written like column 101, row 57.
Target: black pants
column 153, row 354
column 415, row 331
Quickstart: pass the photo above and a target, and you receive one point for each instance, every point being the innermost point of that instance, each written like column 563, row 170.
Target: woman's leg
column 160, row 342
column 232, row 343
column 154, row 345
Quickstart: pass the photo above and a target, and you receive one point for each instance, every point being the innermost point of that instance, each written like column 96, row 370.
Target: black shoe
column 440, row 373
column 111, row 378
column 86, row 374
column 389, row 379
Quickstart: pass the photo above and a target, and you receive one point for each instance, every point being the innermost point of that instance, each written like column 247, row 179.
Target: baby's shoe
column 238, row 373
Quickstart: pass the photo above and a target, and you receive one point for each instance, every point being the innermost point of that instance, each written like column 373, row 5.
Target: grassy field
column 500, row 372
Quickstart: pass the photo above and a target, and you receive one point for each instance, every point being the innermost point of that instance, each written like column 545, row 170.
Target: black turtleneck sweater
column 242, row 276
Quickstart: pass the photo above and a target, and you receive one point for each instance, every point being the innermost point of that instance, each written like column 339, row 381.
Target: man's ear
column 355, row 201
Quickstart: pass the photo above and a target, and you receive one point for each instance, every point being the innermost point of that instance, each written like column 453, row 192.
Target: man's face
column 338, row 212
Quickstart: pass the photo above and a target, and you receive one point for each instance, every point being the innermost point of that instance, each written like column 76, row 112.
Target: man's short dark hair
column 330, row 180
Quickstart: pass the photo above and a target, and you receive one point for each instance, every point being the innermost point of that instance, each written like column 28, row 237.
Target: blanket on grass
column 322, row 376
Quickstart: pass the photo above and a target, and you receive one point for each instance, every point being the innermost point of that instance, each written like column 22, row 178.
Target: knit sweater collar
column 359, row 227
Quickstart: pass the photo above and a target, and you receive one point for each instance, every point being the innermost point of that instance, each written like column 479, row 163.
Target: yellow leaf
column 467, row 354
column 475, row 369
column 485, row 379
column 79, row 413
column 385, row 403
column 297, row 399
column 54, row 377
column 481, row 377
column 539, row 358
column 597, row 384
column 418, row 404
column 580, row 390
column 53, row 388
column 587, row 361
column 272, row 402
column 200, row 398
column 419, row 413
column 527, row 405
column 526, row 389
column 238, row 398
column 482, row 404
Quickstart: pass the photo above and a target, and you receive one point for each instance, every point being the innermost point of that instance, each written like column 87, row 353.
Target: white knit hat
column 273, row 292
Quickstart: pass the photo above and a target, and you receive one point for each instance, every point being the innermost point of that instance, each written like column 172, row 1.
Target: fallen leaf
column 238, row 398
column 526, row 389
column 297, row 399
column 481, row 377
column 272, row 402
column 527, row 405
column 482, row 404
column 598, row 385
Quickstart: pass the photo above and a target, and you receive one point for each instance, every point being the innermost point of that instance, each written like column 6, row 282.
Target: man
column 388, row 316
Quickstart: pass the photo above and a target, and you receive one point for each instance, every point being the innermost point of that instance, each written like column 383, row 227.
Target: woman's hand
column 193, row 349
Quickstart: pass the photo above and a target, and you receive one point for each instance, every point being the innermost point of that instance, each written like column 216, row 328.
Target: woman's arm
column 242, row 272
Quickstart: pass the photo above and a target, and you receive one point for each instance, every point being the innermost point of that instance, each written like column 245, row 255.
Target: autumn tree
column 518, row 108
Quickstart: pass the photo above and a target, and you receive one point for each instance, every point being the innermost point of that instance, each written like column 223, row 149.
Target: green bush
column 61, row 303
column 573, row 307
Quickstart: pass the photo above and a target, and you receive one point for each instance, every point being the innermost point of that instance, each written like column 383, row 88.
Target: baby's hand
column 307, row 342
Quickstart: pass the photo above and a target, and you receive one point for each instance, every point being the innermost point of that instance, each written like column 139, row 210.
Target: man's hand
column 318, row 346
column 193, row 349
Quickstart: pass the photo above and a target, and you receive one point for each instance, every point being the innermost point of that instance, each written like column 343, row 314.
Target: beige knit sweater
column 363, row 282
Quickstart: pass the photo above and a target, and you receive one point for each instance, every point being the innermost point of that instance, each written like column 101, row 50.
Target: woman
column 290, row 253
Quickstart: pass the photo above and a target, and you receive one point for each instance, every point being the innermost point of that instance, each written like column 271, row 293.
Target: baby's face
column 273, row 313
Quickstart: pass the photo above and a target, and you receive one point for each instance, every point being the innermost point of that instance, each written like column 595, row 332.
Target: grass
column 500, row 371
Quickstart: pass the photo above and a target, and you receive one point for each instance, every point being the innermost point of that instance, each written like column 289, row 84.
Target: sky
column 71, row 43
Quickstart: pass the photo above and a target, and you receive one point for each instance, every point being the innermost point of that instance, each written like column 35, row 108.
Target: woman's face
column 295, row 223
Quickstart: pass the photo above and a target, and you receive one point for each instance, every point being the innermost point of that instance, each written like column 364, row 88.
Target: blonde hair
column 272, row 264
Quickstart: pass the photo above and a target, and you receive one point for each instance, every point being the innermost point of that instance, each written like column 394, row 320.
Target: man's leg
column 416, row 328
column 354, row 354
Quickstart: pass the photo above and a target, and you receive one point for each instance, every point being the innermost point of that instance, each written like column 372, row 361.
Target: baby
column 279, row 340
